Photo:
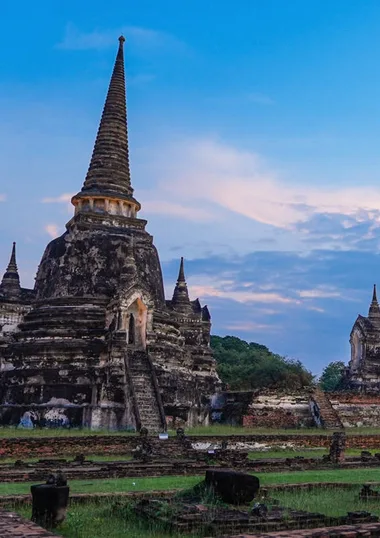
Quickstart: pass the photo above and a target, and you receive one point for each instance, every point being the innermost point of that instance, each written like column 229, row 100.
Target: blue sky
column 254, row 135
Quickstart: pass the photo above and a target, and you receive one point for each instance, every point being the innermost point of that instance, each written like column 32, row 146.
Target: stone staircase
column 328, row 417
column 147, row 399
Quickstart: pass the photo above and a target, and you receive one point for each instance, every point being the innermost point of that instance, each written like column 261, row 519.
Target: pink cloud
column 206, row 287
column 52, row 230
column 242, row 182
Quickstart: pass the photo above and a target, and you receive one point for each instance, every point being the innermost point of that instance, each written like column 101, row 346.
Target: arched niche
column 357, row 348
column 131, row 330
column 135, row 319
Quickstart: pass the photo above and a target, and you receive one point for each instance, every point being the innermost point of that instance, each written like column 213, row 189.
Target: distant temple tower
column 363, row 371
column 96, row 343
column 14, row 300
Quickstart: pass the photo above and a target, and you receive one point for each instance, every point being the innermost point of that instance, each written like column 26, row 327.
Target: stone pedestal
column 232, row 487
column 49, row 504
column 337, row 447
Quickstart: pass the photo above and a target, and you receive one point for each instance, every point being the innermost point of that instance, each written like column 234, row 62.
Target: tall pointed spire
column 10, row 284
column 109, row 172
column 374, row 309
column 181, row 273
column 181, row 300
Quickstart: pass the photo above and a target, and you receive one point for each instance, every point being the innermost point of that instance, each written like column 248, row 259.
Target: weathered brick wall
column 24, row 447
column 356, row 410
column 370, row 530
column 280, row 410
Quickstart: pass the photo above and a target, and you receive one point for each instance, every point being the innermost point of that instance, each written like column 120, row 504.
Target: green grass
column 238, row 430
column 199, row 430
column 107, row 521
column 9, row 431
column 331, row 502
column 116, row 520
column 348, row 476
column 118, row 485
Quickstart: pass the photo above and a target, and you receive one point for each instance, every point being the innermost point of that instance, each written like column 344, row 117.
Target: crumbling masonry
column 96, row 343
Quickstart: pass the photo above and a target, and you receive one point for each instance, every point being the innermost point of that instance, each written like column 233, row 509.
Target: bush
column 248, row 366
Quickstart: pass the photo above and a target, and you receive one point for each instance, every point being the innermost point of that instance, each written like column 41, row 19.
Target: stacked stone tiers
column 101, row 347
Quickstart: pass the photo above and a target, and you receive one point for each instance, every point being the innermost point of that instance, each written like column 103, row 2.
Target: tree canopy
column 248, row 366
column 332, row 376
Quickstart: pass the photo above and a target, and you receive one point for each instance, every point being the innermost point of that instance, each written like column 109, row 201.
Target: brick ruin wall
column 370, row 530
column 46, row 447
column 272, row 409
column 356, row 410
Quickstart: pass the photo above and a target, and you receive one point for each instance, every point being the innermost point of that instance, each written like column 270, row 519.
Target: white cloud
column 62, row 198
column 243, row 183
column 316, row 309
column 207, row 287
column 319, row 293
column 52, row 230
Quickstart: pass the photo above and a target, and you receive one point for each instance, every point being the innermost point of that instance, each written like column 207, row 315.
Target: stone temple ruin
column 95, row 343
column 363, row 372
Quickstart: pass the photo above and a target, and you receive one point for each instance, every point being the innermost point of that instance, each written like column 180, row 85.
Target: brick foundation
column 24, row 447
column 371, row 530
column 12, row 525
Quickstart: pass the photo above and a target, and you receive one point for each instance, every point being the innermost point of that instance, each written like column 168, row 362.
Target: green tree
column 248, row 366
column 332, row 376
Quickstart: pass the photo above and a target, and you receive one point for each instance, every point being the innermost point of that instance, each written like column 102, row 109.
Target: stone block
column 232, row 487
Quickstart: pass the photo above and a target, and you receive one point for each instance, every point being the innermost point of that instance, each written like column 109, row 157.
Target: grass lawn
column 200, row 430
column 9, row 431
column 236, row 430
column 117, row 485
column 107, row 521
column 116, row 519
column 332, row 502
